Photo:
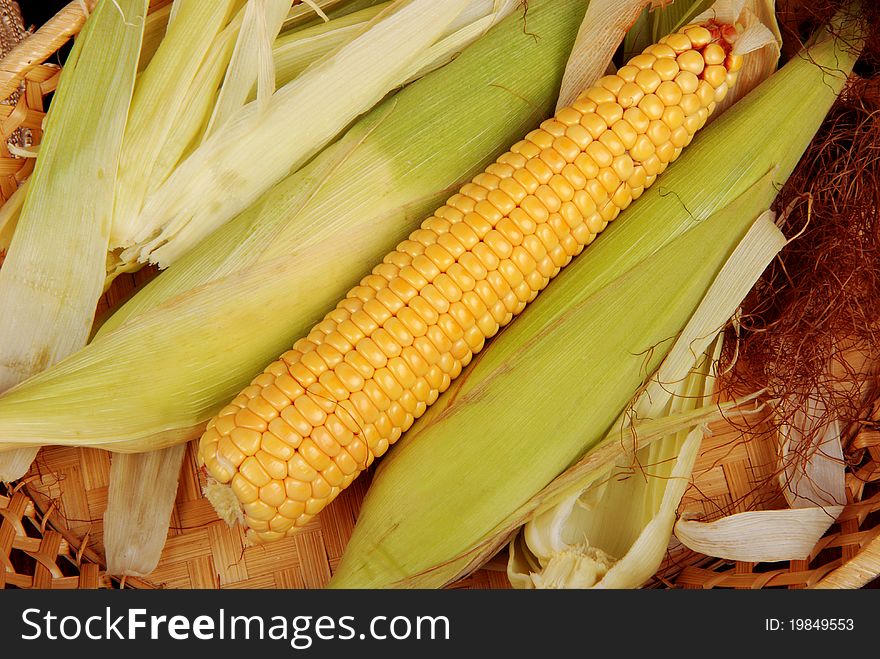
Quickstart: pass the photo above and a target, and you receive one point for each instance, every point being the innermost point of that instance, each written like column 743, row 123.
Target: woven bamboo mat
column 201, row 551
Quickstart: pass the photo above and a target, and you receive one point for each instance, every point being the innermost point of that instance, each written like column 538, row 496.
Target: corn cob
column 321, row 414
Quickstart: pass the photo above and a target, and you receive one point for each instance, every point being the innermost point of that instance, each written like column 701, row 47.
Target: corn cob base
column 321, row 414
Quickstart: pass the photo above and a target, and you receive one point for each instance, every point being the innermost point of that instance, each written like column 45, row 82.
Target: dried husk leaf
column 252, row 60
column 762, row 60
column 231, row 169
column 9, row 214
column 140, row 500
column 296, row 50
column 604, row 26
column 814, row 486
column 812, row 476
column 724, row 11
column 759, row 536
column 159, row 100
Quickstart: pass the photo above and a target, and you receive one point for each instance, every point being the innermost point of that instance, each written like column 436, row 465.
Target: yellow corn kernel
column 644, row 61
column 660, row 50
column 600, row 95
column 715, row 75
column 600, row 154
column 628, row 73
column 322, row 413
column 690, row 104
column 666, row 151
column 706, row 93
column 714, row 54
column 652, row 106
column 679, row 42
column 612, row 83
column 594, row 124
column 691, row 61
column 609, row 179
column 673, row 117
column 623, row 166
column 643, row 149
column 666, row 68
column 687, row 82
column 625, row 133
column 669, row 93
column 583, row 104
column 629, row 95
column 699, row 36
column 615, row 145
column 586, row 166
column 610, row 113
column 637, row 119
column 648, row 80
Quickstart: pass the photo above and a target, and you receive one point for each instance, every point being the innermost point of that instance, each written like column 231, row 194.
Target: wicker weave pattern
column 22, row 123
column 202, row 551
column 35, row 556
column 736, row 473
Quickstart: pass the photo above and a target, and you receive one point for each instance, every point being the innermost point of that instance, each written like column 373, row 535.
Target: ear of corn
column 587, row 341
column 203, row 346
column 613, row 530
column 48, row 287
column 372, row 366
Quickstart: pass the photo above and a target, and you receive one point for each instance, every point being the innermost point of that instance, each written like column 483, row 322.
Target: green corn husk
column 611, row 529
column 278, row 267
column 52, row 276
column 252, row 61
column 597, row 330
column 260, row 145
column 614, row 529
column 294, row 51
